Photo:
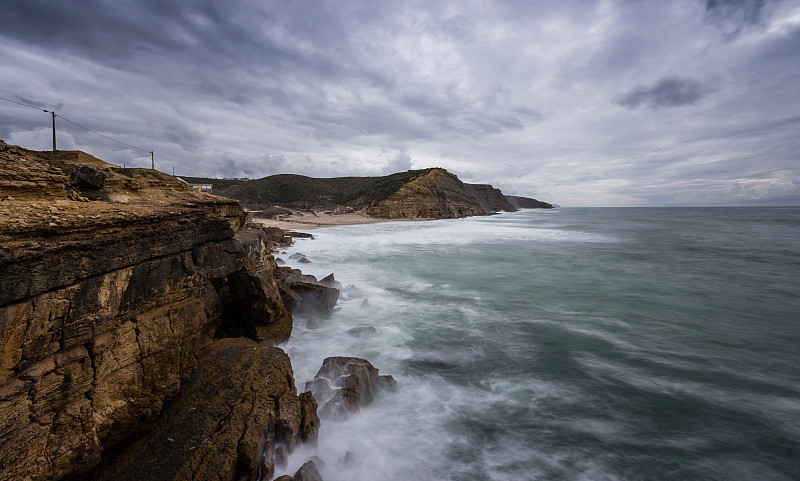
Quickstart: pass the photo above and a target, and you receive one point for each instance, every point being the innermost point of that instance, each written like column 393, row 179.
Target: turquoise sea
column 566, row 344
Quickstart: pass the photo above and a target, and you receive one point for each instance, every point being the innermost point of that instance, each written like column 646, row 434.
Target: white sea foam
column 528, row 346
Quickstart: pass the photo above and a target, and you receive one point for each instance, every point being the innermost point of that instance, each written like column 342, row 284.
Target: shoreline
column 306, row 220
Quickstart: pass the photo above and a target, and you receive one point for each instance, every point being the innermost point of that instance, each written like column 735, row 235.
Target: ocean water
column 567, row 344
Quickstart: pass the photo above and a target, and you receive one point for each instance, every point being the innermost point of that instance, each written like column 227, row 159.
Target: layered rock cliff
column 108, row 306
column 439, row 194
column 527, row 203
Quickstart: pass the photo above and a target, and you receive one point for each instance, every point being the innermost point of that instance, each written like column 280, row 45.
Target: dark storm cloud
column 667, row 92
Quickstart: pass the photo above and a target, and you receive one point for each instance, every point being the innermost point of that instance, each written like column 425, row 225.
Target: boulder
column 307, row 472
column 83, row 177
column 362, row 331
column 351, row 292
column 330, row 281
column 309, row 421
column 316, row 300
column 344, row 384
column 301, row 235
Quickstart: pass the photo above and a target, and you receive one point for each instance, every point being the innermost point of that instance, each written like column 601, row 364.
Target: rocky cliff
column 439, row 194
column 489, row 199
column 108, row 306
column 527, row 203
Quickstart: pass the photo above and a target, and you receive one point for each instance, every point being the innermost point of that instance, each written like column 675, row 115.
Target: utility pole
column 54, row 127
column 152, row 161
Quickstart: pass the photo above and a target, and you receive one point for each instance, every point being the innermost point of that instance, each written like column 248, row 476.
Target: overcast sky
column 575, row 102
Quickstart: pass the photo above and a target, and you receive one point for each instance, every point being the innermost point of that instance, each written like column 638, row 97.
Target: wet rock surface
column 345, row 384
column 307, row 472
column 305, row 296
column 362, row 331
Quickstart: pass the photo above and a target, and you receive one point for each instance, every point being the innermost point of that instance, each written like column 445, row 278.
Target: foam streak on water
column 572, row 344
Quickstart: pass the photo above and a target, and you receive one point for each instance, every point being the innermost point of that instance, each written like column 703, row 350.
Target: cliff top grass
column 299, row 191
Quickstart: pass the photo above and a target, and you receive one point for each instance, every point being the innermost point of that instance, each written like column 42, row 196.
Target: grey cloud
column 734, row 15
column 667, row 92
column 510, row 92
column 399, row 162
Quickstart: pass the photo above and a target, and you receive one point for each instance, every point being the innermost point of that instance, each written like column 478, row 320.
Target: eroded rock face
column 344, row 384
column 104, row 306
column 439, row 194
column 255, row 308
column 91, row 361
column 489, row 198
column 527, row 203
column 239, row 404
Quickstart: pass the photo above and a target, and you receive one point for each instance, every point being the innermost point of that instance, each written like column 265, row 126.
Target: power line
column 101, row 135
column 26, row 105
column 77, row 125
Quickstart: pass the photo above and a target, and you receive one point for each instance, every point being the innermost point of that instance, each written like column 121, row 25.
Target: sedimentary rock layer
column 106, row 306
column 439, row 194
column 527, row 203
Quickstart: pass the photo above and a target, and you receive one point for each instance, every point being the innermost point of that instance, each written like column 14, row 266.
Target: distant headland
column 431, row 193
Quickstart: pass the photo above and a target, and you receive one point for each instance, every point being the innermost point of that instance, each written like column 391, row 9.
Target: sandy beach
column 306, row 220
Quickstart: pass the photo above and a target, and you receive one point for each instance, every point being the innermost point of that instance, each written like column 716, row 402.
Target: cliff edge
column 107, row 306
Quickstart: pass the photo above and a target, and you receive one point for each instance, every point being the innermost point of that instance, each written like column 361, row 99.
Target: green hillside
column 299, row 191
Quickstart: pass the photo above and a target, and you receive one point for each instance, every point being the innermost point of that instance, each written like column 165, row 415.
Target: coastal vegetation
column 302, row 192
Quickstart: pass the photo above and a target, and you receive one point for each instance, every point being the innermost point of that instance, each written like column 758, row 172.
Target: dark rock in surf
column 281, row 456
column 316, row 300
column 299, row 258
column 362, row 331
column 429, row 363
column 352, row 292
column 307, row 472
column 305, row 296
column 330, row 281
column 309, row 421
column 344, row 384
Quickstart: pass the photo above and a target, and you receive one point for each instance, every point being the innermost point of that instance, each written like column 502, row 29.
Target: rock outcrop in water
column 345, row 384
column 308, row 297
column 439, row 194
column 110, row 317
